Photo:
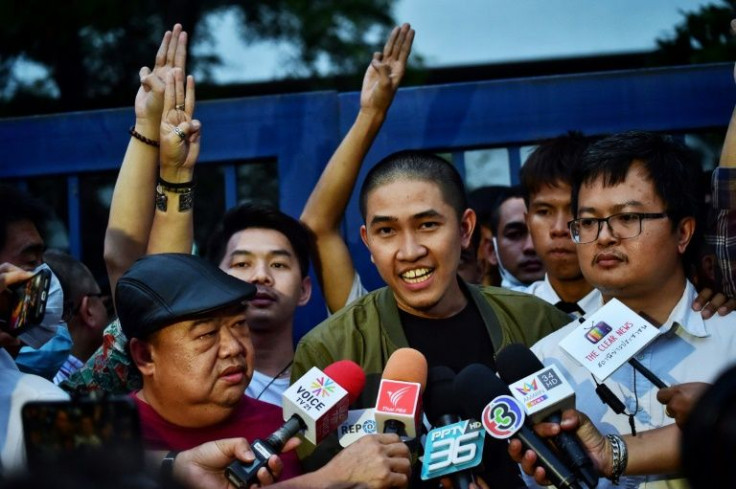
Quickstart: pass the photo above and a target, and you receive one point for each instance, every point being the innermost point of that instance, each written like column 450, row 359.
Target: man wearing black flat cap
column 188, row 336
column 186, row 324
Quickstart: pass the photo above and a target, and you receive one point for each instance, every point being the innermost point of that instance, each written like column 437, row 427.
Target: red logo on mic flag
column 397, row 397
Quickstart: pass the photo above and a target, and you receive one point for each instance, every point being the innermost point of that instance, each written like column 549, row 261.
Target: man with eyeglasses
column 635, row 202
column 84, row 310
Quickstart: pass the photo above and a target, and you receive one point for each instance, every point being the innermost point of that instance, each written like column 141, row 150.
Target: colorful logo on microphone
column 322, row 386
column 527, row 387
column 503, row 417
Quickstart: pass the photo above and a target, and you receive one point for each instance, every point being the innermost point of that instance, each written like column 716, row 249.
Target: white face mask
column 36, row 336
column 507, row 279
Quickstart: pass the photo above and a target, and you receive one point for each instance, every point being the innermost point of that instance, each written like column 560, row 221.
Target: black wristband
column 167, row 468
column 174, row 187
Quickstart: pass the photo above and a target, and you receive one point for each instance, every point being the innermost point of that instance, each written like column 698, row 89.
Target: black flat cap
column 159, row 290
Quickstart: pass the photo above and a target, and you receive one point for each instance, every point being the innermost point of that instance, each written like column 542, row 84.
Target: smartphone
column 105, row 431
column 27, row 303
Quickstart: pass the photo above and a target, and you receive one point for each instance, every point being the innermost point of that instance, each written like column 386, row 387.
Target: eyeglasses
column 622, row 226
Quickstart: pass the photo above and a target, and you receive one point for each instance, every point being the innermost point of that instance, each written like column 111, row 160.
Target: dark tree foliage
column 94, row 48
column 703, row 36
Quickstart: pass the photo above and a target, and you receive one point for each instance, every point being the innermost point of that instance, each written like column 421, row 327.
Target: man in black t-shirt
column 416, row 223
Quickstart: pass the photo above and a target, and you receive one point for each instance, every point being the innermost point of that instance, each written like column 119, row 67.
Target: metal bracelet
column 620, row 454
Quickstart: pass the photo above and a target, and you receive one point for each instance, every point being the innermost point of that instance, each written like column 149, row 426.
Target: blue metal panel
column 301, row 131
column 231, row 186
column 514, row 163
column 75, row 221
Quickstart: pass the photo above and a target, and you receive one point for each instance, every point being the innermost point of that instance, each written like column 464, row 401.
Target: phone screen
column 60, row 431
column 28, row 304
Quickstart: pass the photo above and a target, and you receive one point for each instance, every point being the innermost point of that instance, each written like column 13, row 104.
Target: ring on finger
column 182, row 135
column 179, row 106
column 668, row 412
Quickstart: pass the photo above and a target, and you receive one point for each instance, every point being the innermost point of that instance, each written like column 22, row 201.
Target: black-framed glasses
column 622, row 226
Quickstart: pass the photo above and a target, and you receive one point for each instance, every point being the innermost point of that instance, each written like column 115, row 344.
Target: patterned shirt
column 723, row 235
column 109, row 369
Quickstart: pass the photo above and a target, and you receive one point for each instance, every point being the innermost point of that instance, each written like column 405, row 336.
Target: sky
column 463, row 32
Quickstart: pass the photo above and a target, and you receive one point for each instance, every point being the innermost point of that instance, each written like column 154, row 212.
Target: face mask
column 36, row 336
column 508, row 281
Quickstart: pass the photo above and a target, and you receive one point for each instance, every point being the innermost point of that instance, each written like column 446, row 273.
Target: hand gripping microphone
column 454, row 447
column 483, row 396
column 398, row 403
column 316, row 403
column 545, row 393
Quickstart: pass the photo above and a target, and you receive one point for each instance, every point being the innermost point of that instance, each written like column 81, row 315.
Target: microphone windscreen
column 406, row 365
column 349, row 376
column 439, row 397
column 515, row 362
column 475, row 386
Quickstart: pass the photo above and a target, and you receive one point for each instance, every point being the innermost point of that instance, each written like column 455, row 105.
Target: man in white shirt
column 546, row 182
column 635, row 201
column 16, row 387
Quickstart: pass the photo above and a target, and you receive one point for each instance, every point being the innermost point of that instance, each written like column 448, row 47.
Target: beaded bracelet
column 140, row 137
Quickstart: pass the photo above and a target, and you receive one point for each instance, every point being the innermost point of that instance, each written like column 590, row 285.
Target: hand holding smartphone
column 26, row 303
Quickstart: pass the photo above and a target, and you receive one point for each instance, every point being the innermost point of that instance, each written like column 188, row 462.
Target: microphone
column 316, row 404
column 483, row 396
column 545, row 393
column 648, row 374
column 454, row 447
column 398, row 403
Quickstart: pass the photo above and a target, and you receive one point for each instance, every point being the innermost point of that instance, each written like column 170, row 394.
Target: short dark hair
column 18, row 205
column 259, row 215
column 670, row 165
column 484, row 200
column 74, row 277
column 553, row 162
column 513, row 192
column 416, row 165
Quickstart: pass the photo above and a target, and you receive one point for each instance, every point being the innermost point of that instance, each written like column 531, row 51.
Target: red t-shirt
column 252, row 419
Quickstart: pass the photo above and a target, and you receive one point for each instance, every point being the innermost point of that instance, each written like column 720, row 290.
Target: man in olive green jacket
column 416, row 223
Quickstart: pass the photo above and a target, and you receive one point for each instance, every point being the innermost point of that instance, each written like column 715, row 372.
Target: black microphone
column 514, row 363
column 442, row 409
column 483, row 396
column 306, row 411
column 658, row 383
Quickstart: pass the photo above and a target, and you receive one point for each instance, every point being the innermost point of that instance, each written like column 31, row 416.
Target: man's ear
column 364, row 238
column 140, row 353
column 467, row 225
column 306, row 290
column 685, row 231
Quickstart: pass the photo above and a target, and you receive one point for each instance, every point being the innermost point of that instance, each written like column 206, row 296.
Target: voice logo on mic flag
column 608, row 338
column 503, row 417
column 452, row 448
column 323, row 386
column 320, row 403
